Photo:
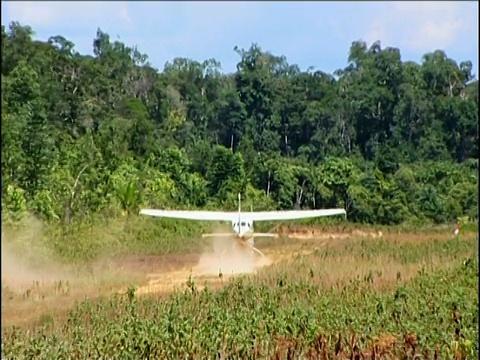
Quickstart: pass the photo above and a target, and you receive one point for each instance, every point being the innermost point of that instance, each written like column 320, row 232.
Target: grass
column 402, row 294
column 103, row 236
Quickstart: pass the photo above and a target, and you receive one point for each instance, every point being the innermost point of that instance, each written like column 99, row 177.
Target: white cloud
column 45, row 13
column 430, row 24
column 378, row 30
column 431, row 33
column 30, row 13
column 124, row 14
column 421, row 26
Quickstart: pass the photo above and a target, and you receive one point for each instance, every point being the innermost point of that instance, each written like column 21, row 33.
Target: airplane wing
column 291, row 215
column 192, row 215
column 252, row 216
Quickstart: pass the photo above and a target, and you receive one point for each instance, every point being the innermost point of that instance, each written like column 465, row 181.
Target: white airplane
column 242, row 223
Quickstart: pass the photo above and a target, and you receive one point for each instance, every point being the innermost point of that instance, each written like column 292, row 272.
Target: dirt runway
column 28, row 301
column 216, row 266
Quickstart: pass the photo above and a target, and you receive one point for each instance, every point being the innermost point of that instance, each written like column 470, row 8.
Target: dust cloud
column 26, row 258
column 229, row 258
column 224, row 256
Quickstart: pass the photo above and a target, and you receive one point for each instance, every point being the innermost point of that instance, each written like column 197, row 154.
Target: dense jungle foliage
column 389, row 140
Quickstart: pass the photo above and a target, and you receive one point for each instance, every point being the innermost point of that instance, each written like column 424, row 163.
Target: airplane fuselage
column 242, row 228
column 244, row 233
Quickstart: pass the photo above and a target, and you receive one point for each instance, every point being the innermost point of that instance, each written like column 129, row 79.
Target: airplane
column 242, row 222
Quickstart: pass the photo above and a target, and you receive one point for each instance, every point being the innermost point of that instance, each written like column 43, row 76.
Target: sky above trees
column 314, row 34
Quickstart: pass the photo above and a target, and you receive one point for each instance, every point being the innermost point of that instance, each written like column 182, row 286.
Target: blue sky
column 317, row 34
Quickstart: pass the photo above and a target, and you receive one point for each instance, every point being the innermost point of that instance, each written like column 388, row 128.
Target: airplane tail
column 250, row 235
column 218, row 235
column 255, row 235
column 239, row 209
column 239, row 204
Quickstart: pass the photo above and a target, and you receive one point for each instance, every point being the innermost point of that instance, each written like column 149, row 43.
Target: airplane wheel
column 242, row 247
column 248, row 248
column 239, row 246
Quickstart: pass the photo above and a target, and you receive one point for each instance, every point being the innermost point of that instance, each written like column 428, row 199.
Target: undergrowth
column 299, row 309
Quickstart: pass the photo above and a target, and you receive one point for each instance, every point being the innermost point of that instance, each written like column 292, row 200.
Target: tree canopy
column 389, row 140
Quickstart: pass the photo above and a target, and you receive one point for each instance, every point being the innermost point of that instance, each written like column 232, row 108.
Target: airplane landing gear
column 248, row 245
column 239, row 246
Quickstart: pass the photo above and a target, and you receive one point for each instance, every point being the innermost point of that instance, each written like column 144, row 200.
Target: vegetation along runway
column 369, row 291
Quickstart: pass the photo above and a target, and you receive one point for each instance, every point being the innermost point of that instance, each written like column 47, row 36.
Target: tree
column 389, row 140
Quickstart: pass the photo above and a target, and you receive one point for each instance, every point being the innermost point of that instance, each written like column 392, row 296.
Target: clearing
column 31, row 293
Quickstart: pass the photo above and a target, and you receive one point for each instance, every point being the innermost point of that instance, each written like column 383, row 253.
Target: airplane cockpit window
column 243, row 223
